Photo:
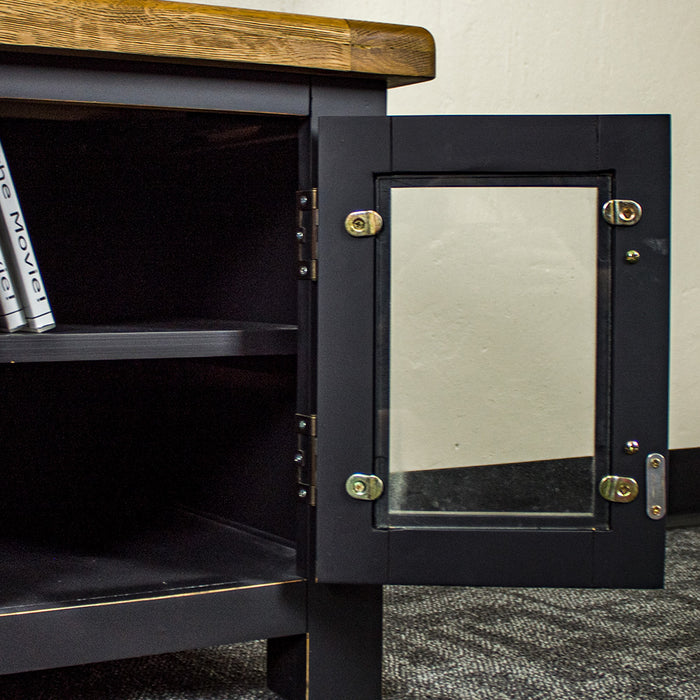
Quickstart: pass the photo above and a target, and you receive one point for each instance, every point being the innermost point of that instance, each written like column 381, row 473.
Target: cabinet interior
column 165, row 469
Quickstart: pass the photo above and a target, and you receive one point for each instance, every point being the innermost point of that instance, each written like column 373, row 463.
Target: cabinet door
column 492, row 362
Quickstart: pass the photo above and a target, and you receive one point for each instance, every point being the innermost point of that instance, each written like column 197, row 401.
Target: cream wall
column 571, row 56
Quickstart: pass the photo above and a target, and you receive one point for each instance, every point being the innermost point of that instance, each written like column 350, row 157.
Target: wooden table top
column 192, row 33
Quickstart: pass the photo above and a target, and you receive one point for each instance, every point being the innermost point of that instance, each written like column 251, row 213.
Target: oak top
column 189, row 33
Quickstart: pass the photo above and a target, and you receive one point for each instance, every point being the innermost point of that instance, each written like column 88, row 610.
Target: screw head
column 298, row 457
column 627, row 213
column 655, row 510
column 623, row 490
column 359, row 224
column 655, row 463
column 359, row 486
column 631, row 447
column 303, row 200
column 302, row 424
column 300, row 236
column 632, row 256
column 303, row 270
column 303, row 493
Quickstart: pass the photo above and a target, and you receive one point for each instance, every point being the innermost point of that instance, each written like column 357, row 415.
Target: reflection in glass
column 492, row 348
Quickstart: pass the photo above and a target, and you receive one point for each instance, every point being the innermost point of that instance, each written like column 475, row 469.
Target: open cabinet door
column 493, row 354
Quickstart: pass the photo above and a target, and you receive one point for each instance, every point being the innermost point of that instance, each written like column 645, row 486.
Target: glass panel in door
column 492, row 398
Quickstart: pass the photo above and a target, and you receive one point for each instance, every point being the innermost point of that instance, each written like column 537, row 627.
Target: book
column 20, row 258
column 11, row 314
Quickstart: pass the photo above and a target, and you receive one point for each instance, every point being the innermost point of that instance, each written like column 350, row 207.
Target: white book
column 21, row 260
column 11, row 314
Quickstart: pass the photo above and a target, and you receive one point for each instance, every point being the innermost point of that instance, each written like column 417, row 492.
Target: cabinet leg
column 286, row 666
column 341, row 656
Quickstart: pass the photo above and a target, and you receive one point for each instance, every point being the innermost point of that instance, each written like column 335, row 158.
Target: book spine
column 20, row 256
column 11, row 314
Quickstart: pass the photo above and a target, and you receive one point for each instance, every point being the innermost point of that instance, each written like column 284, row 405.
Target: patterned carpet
column 459, row 644
column 533, row 644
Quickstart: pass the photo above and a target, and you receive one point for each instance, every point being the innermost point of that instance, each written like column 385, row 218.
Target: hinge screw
column 655, row 463
column 303, row 200
column 300, row 236
column 303, row 270
column 359, row 487
column 655, row 510
column 632, row 256
column 302, row 424
column 631, row 447
column 623, row 490
column 303, row 493
column 627, row 213
column 298, row 457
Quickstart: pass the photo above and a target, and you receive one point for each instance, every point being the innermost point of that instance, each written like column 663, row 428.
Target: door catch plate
column 622, row 212
column 361, row 224
column 365, row 487
column 656, row 485
column 618, row 489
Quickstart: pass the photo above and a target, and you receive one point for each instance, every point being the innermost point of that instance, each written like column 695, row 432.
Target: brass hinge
column 305, row 457
column 307, row 234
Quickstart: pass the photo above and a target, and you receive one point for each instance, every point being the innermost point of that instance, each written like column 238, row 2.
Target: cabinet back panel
column 141, row 215
column 98, row 450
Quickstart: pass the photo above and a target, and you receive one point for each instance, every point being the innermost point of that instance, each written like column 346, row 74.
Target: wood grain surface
column 154, row 29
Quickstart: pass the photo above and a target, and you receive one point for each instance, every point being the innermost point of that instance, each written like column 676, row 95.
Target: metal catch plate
column 618, row 489
column 361, row 224
column 656, row 486
column 622, row 212
column 365, row 487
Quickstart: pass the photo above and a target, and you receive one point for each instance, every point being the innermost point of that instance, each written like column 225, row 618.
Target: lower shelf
column 189, row 582
column 182, row 554
column 150, row 341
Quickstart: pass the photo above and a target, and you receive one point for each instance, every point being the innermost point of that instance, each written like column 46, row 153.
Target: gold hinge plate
column 622, row 212
column 305, row 457
column 307, row 235
column 618, row 489
column 364, row 487
column 361, row 224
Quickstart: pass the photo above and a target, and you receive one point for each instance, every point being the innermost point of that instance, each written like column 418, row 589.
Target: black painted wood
column 327, row 97
column 340, row 657
column 100, row 81
column 287, row 667
column 345, row 642
column 148, row 341
column 635, row 151
column 345, row 539
column 176, row 553
column 121, row 629
column 638, row 149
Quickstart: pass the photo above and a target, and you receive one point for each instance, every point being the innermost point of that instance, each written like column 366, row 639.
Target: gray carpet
column 459, row 644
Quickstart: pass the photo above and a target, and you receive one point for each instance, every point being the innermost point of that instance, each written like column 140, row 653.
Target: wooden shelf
column 183, row 582
column 150, row 341
column 180, row 553
column 158, row 30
